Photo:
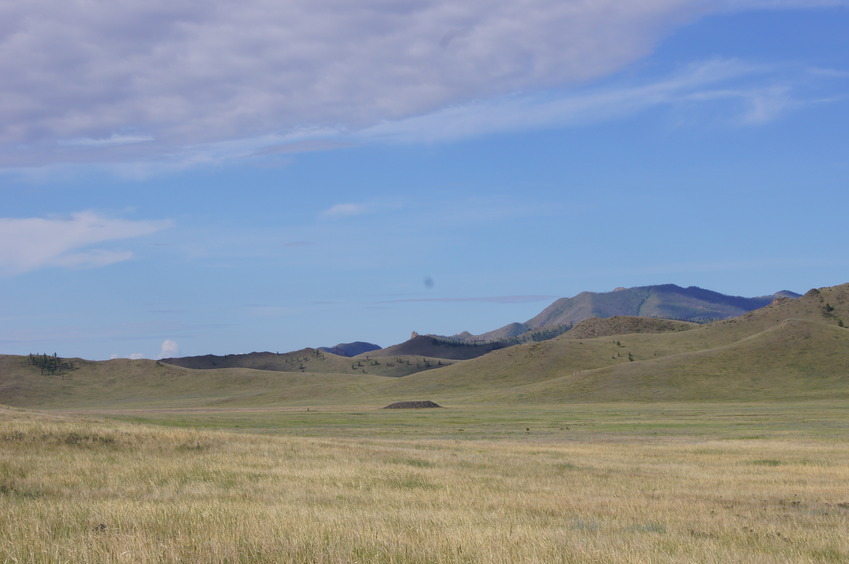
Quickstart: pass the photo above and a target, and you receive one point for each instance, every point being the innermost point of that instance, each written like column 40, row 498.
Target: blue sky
column 180, row 179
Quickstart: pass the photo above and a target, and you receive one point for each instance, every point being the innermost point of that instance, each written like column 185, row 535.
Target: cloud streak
column 114, row 139
column 28, row 244
column 728, row 81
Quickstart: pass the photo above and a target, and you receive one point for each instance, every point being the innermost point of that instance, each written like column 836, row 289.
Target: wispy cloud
column 707, row 82
column 91, row 258
column 741, row 5
column 114, row 139
column 828, row 72
column 28, row 244
column 747, row 95
column 255, row 79
column 193, row 73
column 345, row 210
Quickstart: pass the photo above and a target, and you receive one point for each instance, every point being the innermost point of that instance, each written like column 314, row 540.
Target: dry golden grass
column 77, row 490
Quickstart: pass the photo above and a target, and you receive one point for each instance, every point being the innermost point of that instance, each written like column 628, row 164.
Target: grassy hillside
column 311, row 360
column 135, row 383
column 767, row 354
column 796, row 360
column 622, row 325
column 790, row 349
column 436, row 347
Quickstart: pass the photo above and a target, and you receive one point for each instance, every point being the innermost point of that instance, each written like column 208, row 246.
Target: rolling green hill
column 620, row 325
column 789, row 349
column 143, row 383
column 798, row 359
column 772, row 348
column 309, row 360
column 437, row 347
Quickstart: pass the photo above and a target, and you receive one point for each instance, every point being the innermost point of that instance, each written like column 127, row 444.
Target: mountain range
column 666, row 301
column 789, row 349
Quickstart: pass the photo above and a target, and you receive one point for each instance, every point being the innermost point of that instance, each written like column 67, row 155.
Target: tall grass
column 73, row 490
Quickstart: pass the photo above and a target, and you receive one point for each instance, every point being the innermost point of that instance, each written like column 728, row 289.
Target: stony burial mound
column 412, row 405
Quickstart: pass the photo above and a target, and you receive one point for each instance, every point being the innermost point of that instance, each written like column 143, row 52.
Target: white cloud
column 28, row 244
column 190, row 74
column 168, row 349
column 238, row 77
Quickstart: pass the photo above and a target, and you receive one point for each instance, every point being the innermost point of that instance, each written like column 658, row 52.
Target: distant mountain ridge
column 644, row 309
column 438, row 347
column 665, row 301
column 351, row 349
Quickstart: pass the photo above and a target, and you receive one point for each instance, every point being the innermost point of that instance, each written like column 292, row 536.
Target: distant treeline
column 51, row 364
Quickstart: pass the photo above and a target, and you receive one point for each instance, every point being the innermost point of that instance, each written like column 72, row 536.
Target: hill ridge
column 664, row 301
column 790, row 349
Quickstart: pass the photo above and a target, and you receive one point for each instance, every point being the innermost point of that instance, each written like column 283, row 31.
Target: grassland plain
column 719, row 443
column 623, row 482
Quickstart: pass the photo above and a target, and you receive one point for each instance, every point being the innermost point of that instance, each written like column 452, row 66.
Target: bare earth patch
column 412, row 405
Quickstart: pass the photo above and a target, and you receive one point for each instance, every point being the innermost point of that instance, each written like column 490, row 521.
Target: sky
column 181, row 178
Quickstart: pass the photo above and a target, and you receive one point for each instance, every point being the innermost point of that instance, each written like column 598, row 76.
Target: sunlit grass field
column 624, row 482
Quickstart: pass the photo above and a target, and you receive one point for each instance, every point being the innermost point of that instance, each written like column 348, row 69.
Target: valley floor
column 570, row 483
